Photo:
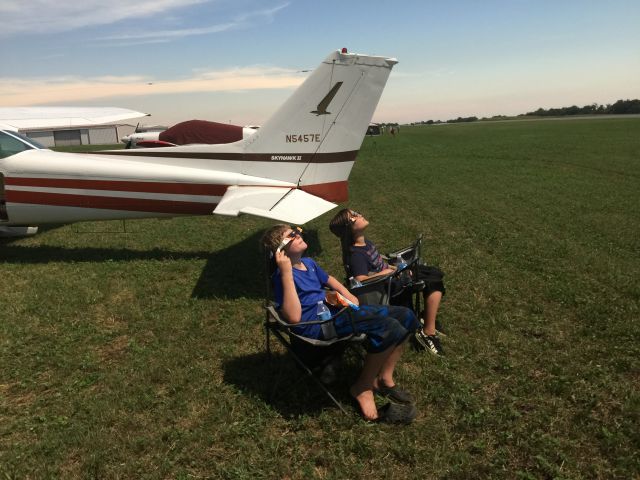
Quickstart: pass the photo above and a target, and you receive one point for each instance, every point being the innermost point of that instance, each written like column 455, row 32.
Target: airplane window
column 10, row 145
column 29, row 140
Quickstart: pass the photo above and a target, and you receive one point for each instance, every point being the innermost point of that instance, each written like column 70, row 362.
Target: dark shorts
column 432, row 278
column 384, row 325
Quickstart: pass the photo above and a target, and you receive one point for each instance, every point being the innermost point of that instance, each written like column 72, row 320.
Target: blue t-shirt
column 366, row 259
column 309, row 286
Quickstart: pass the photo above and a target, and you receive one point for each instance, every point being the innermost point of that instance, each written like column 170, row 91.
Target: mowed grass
column 135, row 350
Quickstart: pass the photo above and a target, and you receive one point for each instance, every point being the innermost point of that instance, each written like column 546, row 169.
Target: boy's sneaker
column 440, row 329
column 431, row 343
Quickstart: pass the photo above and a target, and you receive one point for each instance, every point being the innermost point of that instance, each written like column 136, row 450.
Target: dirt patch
column 114, row 350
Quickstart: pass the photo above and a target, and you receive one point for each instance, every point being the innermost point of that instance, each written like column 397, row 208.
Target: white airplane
column 291, row 170
column 143, row 133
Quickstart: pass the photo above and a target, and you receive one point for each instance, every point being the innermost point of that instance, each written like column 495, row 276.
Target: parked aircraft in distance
column 291, row 169
column 184, row 133
column 142, row 133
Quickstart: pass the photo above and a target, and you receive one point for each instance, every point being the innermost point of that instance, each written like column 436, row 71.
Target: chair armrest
column 414, row 249
column 377, row 279
column 278, row 324
column 273, row 312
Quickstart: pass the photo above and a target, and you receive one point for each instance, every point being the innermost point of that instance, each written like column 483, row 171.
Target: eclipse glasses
column 295, row 231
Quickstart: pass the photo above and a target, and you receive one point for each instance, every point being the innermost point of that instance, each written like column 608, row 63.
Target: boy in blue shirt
column 299, row 284
column 364, row 261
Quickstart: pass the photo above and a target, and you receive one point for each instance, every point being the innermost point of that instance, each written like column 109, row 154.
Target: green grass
column 135, row 350
column 88, row 148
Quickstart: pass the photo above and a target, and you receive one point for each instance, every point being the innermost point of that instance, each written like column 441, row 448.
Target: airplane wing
column 278, row 203
column 17, row 118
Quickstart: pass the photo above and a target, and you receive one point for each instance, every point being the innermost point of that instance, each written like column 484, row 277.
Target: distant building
column 89, row 135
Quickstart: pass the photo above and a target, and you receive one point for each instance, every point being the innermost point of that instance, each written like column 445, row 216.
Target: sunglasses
column 295, row 232
column 354, row 215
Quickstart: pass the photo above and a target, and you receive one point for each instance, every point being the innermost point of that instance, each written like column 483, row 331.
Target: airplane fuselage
column 41, row 186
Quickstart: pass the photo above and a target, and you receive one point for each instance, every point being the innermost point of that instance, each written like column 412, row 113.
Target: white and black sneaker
column 440, row 331
column 430, row 343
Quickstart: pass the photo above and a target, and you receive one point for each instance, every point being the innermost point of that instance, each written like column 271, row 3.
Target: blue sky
column 237, row 60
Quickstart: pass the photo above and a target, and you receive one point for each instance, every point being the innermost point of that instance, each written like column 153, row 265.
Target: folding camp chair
column 311, row 355
column 397, row 288
column 412, row 288
column 373, row 291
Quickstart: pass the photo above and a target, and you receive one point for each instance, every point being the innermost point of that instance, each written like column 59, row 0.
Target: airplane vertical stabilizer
column 322, row 125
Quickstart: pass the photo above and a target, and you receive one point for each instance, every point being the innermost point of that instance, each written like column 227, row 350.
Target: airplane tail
column 313, row 139
column 299, row 161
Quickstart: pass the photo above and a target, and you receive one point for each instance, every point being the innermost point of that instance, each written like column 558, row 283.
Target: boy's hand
column 283, row 262
column 352, row 298
column 332, row 297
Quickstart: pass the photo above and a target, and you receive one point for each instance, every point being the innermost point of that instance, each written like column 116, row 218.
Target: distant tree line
column 620, row 107
column 453, row 120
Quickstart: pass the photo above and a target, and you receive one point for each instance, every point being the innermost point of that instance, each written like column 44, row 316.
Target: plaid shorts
column 384, row 325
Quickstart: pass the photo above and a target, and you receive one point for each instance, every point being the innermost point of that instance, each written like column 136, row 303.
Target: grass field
column 136, row 351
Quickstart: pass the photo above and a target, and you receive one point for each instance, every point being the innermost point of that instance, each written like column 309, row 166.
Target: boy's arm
column 386, row 271
column 361, row 265
column 291, row 309
column 334, row 284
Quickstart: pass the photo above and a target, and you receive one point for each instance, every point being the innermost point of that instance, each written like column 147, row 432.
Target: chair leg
column 274, row 380
column 267, row 335
column 309, row 373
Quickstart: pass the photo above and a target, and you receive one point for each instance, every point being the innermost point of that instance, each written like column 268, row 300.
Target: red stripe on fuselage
column 110, row 203
column 120, row 185
column 332, row 192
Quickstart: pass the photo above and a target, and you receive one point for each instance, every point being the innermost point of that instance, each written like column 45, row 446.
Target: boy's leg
column 432, row 304
column 384, row 325
column 387, row 328
column 409, row 323
column 433, row 293
column 427, row 338
column 385, row 375
column 362, row 389
column 405, row 317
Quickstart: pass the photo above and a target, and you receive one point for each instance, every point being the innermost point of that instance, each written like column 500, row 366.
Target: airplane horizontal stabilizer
column 278, row 203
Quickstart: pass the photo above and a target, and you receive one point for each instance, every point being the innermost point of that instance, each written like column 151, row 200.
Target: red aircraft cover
column 153, row 144
column 201, row 131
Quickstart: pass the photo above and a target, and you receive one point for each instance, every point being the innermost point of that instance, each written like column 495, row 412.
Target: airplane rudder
column 330, row 111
